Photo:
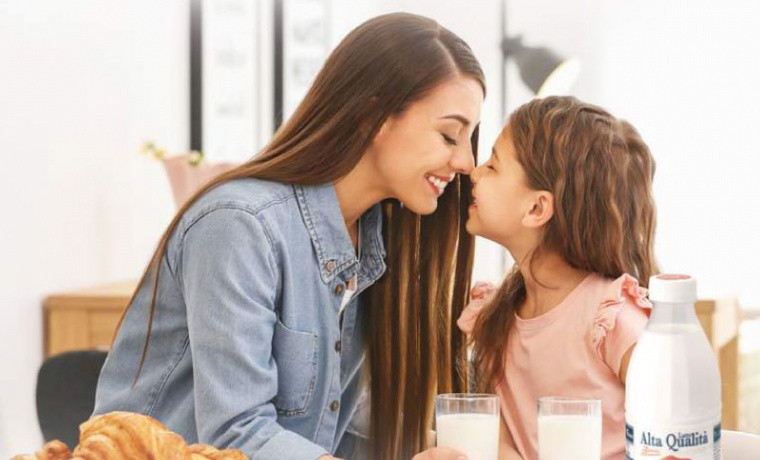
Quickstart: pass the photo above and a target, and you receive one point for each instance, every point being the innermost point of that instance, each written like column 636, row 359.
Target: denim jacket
column 247, row 348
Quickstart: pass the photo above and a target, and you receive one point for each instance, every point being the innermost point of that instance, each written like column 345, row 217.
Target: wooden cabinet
column 721, row 320
column 84, row 319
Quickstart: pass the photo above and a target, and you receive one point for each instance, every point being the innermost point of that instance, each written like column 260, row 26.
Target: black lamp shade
column 541, row 69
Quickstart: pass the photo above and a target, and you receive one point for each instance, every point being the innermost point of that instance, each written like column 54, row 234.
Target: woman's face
column 419, row 151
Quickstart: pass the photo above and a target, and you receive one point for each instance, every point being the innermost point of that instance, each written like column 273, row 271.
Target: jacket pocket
column 295, row 354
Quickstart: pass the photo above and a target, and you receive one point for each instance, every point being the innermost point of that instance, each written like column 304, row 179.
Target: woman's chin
column 423, row 210
column 419, row 205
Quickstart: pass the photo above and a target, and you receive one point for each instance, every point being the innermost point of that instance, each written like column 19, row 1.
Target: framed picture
column 230, row 44
column 302, row 43
column 251, row 63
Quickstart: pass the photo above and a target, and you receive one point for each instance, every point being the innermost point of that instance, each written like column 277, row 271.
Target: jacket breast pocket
column 295, row 354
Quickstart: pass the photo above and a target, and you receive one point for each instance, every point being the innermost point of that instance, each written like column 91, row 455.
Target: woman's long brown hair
column 600, row 174
column 414, row 351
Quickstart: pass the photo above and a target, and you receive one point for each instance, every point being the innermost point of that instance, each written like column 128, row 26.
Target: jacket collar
column 324, row 220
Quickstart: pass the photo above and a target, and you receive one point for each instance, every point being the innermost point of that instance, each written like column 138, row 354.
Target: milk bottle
column 672, row 401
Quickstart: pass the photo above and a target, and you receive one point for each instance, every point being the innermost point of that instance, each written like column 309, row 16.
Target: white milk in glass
column 569, row 437
column 475, row 435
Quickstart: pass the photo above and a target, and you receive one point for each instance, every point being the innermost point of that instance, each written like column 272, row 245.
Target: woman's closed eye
column 450, row 140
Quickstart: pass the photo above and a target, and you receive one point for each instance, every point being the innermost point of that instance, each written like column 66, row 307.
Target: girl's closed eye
column 490, row 163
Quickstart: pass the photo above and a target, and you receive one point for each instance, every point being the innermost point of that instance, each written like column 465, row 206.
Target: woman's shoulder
column 248, row 199
column 252, row 195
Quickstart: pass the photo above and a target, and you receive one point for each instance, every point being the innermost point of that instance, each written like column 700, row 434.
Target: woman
column 285, row 282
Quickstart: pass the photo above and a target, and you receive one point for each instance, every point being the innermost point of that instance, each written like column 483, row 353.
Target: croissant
column 130, row 436
column 207, row 452
column 54, row 450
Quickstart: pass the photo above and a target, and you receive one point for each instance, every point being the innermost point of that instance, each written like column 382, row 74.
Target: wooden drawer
column 102, row 328
column 86, row 319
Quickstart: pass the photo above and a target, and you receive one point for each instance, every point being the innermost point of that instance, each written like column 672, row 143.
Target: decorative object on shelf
column 187, row 172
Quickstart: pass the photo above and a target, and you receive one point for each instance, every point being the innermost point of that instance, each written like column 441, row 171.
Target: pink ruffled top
column 574, row 350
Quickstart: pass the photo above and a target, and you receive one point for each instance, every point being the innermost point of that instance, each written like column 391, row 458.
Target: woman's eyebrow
column 457, row 117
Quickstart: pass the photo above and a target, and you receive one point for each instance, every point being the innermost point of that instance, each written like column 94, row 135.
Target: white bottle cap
column 671, row 288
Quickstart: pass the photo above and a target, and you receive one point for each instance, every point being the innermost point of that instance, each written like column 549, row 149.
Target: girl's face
column 418, row 152
column 503, row 204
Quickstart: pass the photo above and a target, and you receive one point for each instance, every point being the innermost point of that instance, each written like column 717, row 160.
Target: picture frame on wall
column 251, row 64
column 301, row 46
column 230, row 77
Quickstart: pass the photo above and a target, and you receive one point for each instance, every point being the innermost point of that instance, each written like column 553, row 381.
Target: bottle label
column 680, row 442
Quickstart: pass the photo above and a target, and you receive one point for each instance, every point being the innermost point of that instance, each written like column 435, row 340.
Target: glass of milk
column 569, row 428
column 468, row 423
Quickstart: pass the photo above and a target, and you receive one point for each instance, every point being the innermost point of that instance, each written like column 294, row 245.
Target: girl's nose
column 475, row 175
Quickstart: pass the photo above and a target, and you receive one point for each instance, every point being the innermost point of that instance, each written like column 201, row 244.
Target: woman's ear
column 379, row 135
column 541, row 210
column 364, row 126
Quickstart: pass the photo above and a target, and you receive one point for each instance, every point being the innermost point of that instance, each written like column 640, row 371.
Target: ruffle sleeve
column 619, row 320
column 480, row 295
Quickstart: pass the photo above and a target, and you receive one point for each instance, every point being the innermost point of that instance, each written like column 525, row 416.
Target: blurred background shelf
column 84, row 319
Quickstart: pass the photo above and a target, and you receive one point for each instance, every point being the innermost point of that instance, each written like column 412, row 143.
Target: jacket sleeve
column 228, row 273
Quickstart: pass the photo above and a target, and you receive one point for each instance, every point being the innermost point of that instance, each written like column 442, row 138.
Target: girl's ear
column 541, row 211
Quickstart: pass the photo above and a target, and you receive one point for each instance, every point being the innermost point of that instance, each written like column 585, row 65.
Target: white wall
column 82, row 84
column 688, row 75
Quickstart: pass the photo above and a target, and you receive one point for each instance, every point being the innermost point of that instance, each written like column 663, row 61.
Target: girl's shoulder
column 618, row 299
column 619, row 291
column 481, row 294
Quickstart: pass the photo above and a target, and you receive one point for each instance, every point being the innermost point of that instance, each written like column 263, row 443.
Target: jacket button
column 335, row 405
column 330, row 266
column 337, row 346
column 339, row 289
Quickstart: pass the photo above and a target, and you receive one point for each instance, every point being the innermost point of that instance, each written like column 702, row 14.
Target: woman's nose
column 463, row 160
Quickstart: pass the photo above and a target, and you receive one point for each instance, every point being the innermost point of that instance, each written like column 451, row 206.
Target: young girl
column 568, row 191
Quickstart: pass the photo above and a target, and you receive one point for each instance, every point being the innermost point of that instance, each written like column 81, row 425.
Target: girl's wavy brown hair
column 599, row 172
